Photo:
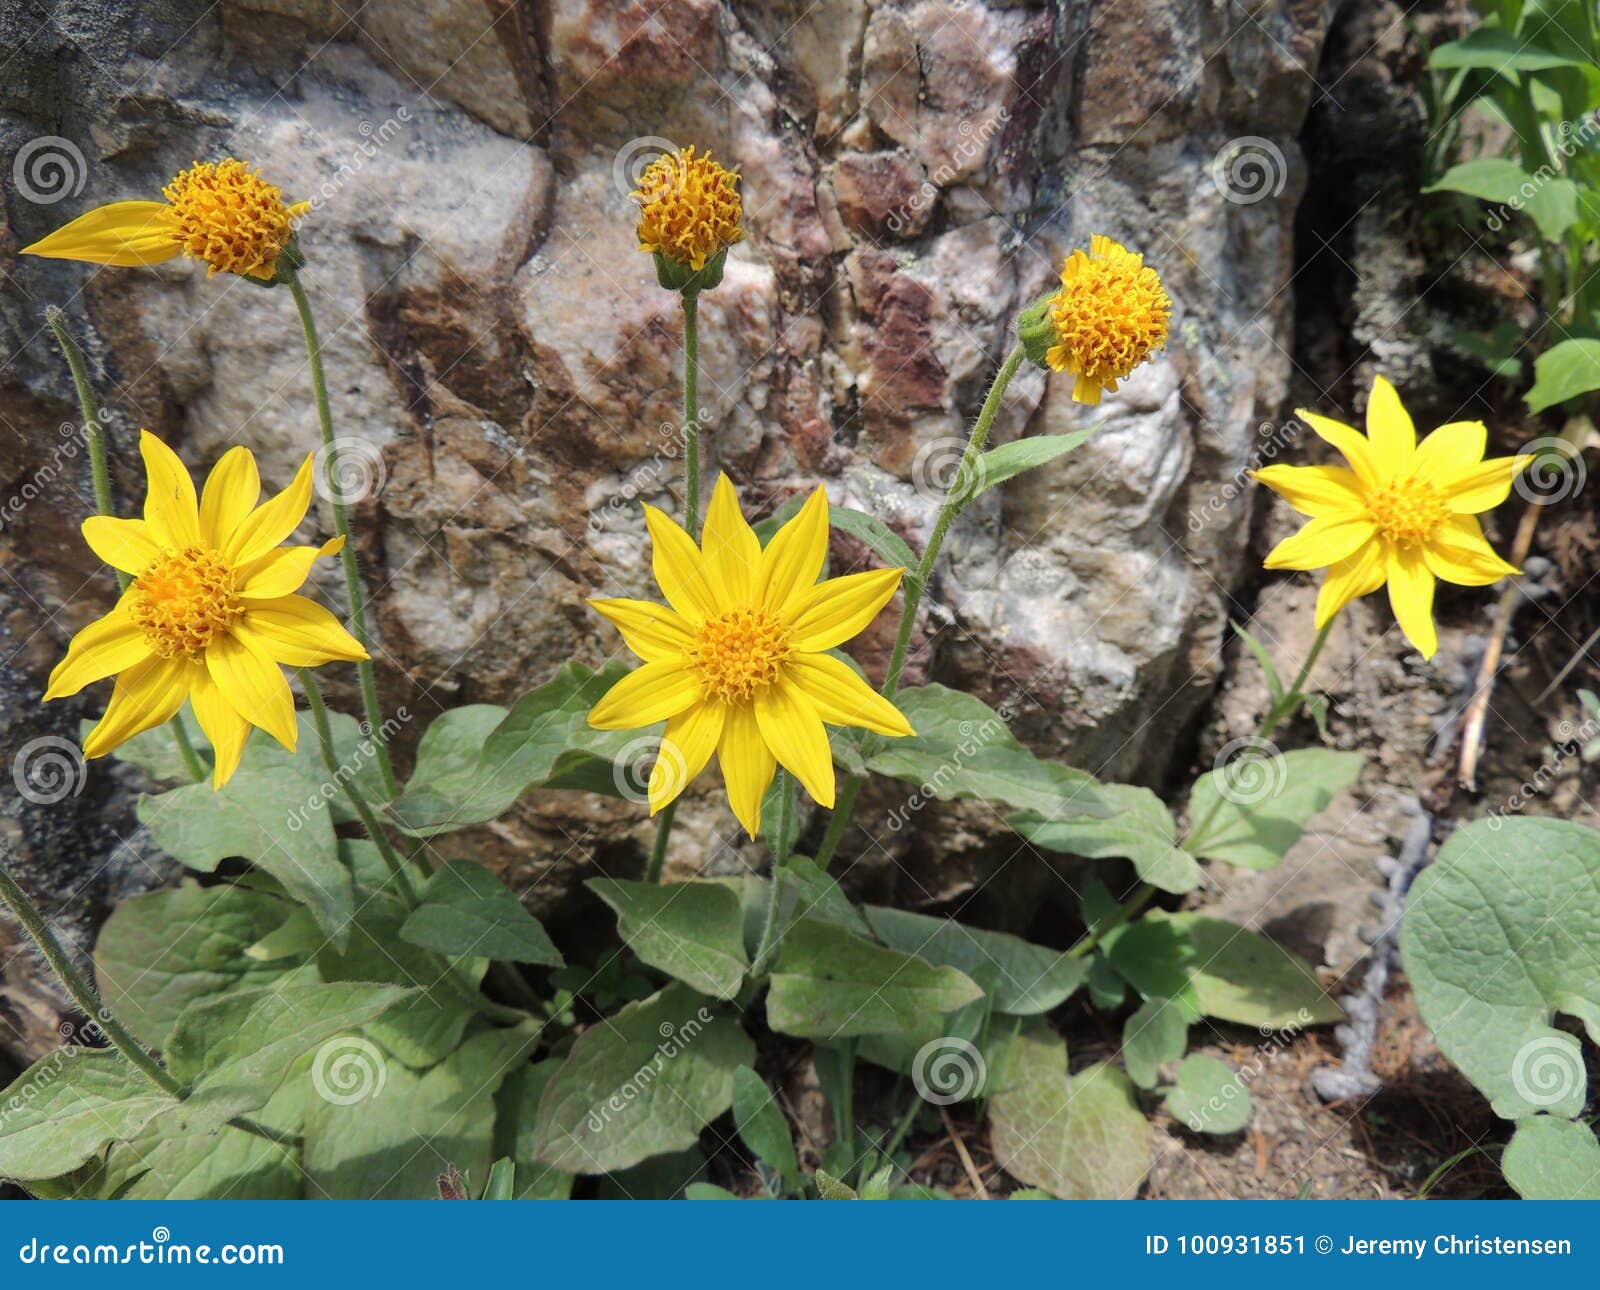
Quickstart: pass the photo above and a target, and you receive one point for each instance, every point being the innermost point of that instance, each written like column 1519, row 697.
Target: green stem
column 658, row 850
column 771, row 936
column 838, row 821
column 1141, row 898
column 691, row 412
column 341, row 522
column 903, row 1128
column 1295, row 695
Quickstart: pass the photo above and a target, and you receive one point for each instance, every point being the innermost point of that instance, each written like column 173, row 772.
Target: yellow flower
column 1402, row 512
column 689, row 208
column 223, row 213
column 211, row 612
column 1110, row 315
column 738, row 664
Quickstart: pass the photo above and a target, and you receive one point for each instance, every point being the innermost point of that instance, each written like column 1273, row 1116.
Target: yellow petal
column 679, row 569
column 1390, row 431
column 272, row 521
column 106, row 646
column 792, row 561
column 792, row 729
column 283, row 570
column 129, row 545
column 298, row 632
column 1451, row 451
column 223, row 726
column 686, row 746
column 254, row 687
column 1484, row 486
column 646, row 695
column 145, row 696
column 653, row 632
column 834, row 611
column 170, row 508
column 842, row 698
column 1315, row 490
column 1458, row 552
column 1353, row 577
column 231, row 492
column 747, row 764
column 1350, row 442
column 730, row 547
column 1321, row 542
column 1411, row 595
column 126, row 233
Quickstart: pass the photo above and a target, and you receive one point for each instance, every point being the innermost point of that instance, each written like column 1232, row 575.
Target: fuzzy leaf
column 690, row 930
column 466, row 910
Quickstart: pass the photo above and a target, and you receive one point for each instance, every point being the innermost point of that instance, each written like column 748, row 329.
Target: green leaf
column 466, row 910
column 1155, row 1034
column 1107, row 989
column 764, row 1129
column 64, row 1109
column 1499, row 936
column 643, row 1084
column 160, row 951
column 831, row 1188
column 1564, row 371
column 808, row 892
column 1012, row 459
column 272, row 816
column 1141, row 829
column 1552, row 203
column 1494, row 49
column 1018, row 977
column 1553, row 1159
column 771, row 814
column 516, row 1128
column 831, row 985
column 691, row 930
column 1250, row 812
column 1081, row 1137
column 156, row 751
column 1216, row 969
column 502, row 1183
column 1208, row 1097
column 707, row 1191
column 876, row 536
column 1269, row 669
column 1498, row 349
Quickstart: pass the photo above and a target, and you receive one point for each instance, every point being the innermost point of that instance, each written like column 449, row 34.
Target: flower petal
column 834, row 611
column 1484, row 486
column 1315, row 490
column 106, row 646
column 747, row 764
column 651, row 631
column 1458, row 552
column 126, row 233
column 146, row 695
column 646, row 695
column 1322, row 542
column 129, row 545
column 1390, row 431
column 731, row 550
column 1350, row 442
column 232, row 489
column 1411, row 595
column 686, row 746
column 272, row 521
column 223, row 726
column 793, row 560
column 789, row 723
column 298, row 632
column 253, row 685
column 283, row 570
column 1451, row 451
column 842, row 698
column 679, row 568
column 1355, row 576
column 170, row 508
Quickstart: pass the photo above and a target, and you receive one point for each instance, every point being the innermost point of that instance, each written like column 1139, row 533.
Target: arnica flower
column 1109, row 316
column 689, row 209
column 738, row 664
column 221, row 212
column 211, row 613
column 1402, row 512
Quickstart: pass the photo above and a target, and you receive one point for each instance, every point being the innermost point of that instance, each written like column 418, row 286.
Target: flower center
column 689, row 207
column 184, row 601
column 1109, row 315
column 740, row 652
column 1406, row 511
column 227, row 215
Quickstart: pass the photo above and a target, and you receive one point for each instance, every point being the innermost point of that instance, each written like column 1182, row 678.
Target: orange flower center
column 689, row 207
column 1109, row 315
column 1407, row 511
column 185, row 601
column 740, row 652
column 227, row 215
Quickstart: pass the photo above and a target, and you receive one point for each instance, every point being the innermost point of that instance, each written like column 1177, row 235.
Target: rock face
column 505, row 369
